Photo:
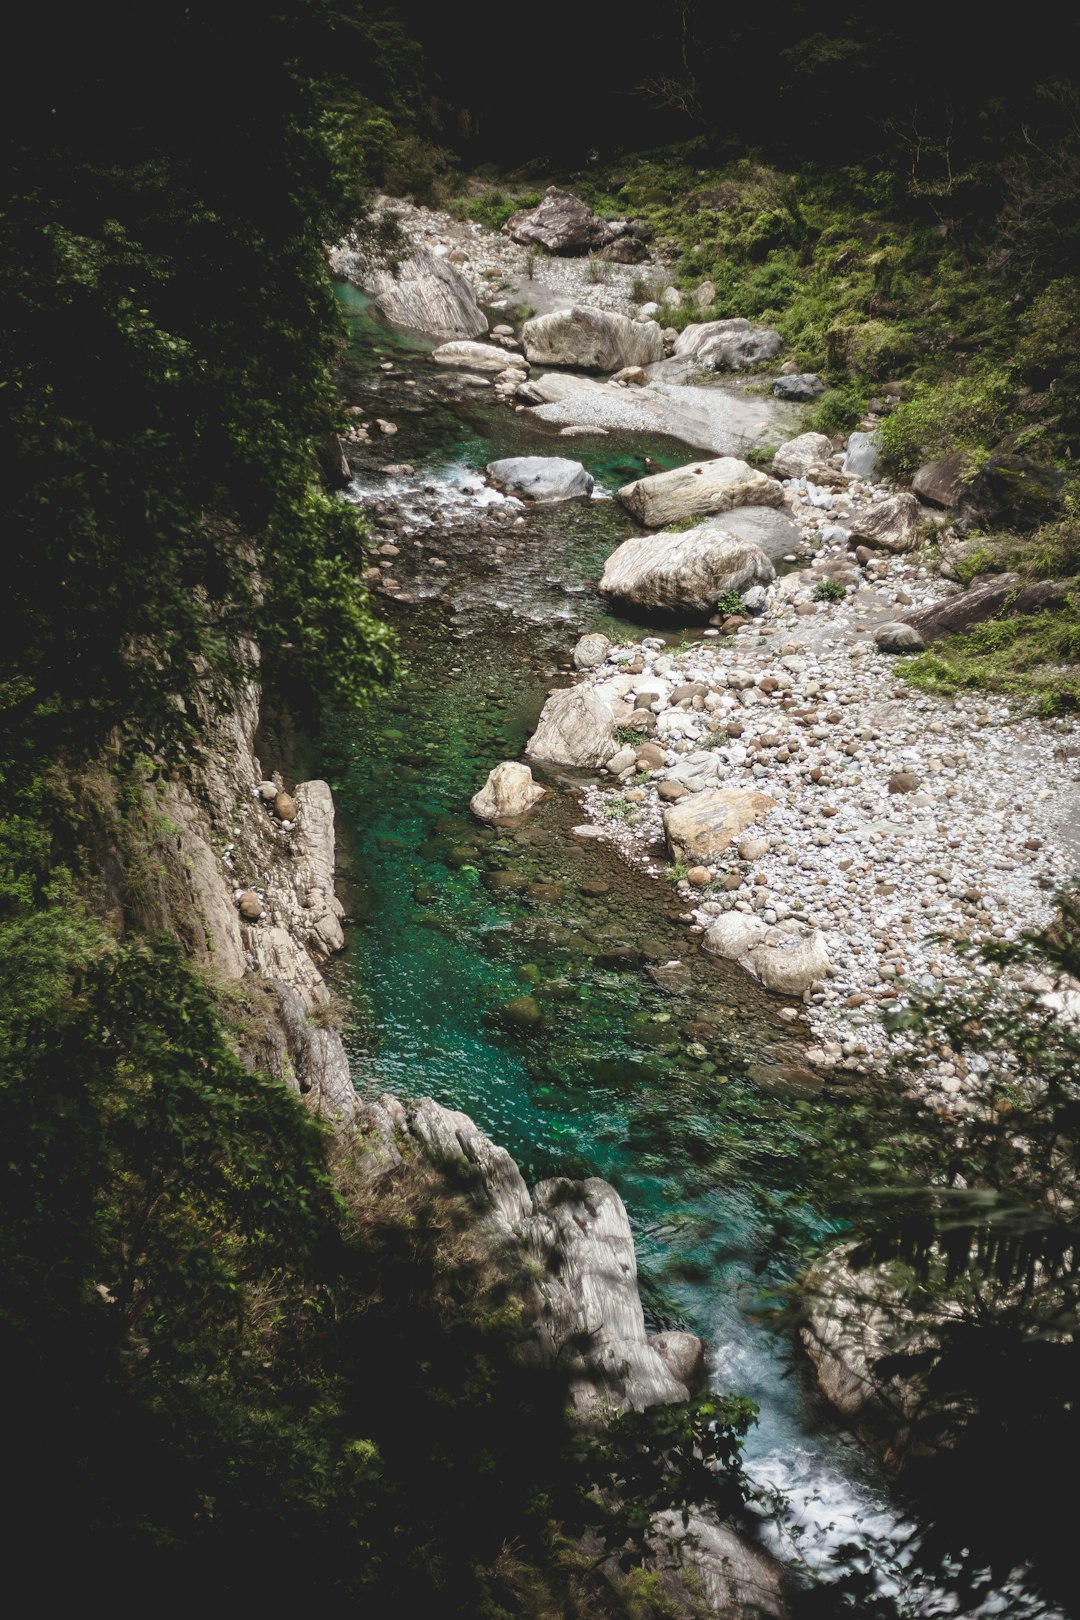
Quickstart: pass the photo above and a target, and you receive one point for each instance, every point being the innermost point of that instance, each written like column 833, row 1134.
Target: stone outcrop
column 687, row 570
column 699, row 489
column 540, row 478
column 576, row 727
column 423, row 292
column 562, row 223
column 703, row 825
column 508, row 794
column 795, row 458
column 591, row 339
column 729, row 345
column 988, row 596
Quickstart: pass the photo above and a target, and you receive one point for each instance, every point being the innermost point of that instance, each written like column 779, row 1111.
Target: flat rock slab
column 720, row 419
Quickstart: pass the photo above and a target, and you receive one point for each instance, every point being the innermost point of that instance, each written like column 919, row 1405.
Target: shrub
column 967, row 413
column 829, row 590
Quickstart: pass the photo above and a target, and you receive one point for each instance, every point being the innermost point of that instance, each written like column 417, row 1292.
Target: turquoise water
column 507, row 974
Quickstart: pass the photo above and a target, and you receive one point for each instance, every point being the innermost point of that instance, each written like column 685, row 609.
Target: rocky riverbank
column 893, row 823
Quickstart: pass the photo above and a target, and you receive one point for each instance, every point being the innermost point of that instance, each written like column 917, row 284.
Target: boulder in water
column 576, row 727
column 540, row 478
column 508, row 794
column 473, row 356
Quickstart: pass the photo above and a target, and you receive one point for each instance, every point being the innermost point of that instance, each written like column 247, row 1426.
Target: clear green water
column 452, row 921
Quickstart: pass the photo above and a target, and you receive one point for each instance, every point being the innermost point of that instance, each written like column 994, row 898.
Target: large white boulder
column 702, row 487
column 540, row 478
column 423, row 292
column 729, row 345
column 795, row 458
column 688, row 570
column 701, row 826
column 576, row 727
column 893, row 524
column 562, row 223
column 508, row 793
column 592, row 339
column 733, row 934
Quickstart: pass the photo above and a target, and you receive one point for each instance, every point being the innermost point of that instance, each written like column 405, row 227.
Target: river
column 522, row 976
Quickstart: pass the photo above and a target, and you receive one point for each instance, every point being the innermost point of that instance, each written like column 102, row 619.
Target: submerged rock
column 687, row 570
column 702, row 487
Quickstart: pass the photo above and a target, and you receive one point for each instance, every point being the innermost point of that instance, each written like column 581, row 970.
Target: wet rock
column 700, row 488
column 728, row 345
column 540, row 478
column 562, row 224
column 794, row 458
column 702, row 825
column 423, row 292
column 575, row 728
column 889, row 525
column 803, row 385
column 591, row 339
column 508, row 794
column 684, row 571
column 523, row 1012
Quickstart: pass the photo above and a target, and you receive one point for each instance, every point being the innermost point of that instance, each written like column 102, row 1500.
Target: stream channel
column 507, row 973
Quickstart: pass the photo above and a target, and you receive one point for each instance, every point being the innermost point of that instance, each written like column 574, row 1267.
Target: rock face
column 540, row 478
column 726, row 1575
column 987, row 596
column 424, row 293
column 575, row 727
column 1010, row 492
column 508, row 794
column 592, row 339
column 701, row 826
column 890, row 525
column 561, row 223
column 701, row 488
column 803, row 385
column 729, row 345
column 688, row 570
column 472, row 356
column 795, row 458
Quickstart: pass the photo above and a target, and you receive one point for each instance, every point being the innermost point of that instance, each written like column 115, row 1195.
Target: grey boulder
column 576, row 727
column 898, row 637
column 795, row 458
column 889, row 525
column 540, row 478
column 562, row 223
column 804, row 385
column 862, row 455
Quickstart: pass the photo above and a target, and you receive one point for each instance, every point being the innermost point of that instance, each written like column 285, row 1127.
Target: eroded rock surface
column 684, row 570
column 424, row 292
column 728, row 345
column 701, row 488
column 592, row 339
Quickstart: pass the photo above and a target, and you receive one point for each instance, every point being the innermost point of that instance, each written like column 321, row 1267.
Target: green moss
column 1034, row 657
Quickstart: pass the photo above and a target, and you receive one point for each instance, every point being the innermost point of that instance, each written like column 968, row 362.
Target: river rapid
column 534, row 981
